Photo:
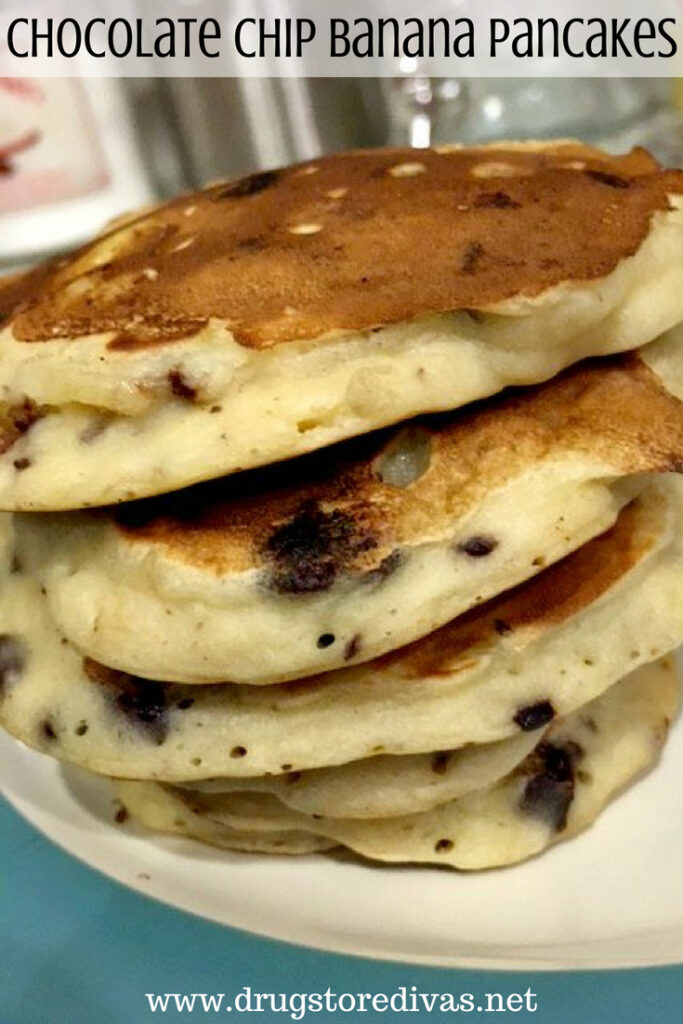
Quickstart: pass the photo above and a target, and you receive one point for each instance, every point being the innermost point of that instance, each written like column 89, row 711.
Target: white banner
column 364, row 38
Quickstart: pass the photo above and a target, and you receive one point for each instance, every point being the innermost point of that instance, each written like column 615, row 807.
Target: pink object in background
column 70, row 161
column 49, row 147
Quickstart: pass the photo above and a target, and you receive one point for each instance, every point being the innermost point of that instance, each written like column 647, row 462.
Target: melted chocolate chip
column 534, row 716
column 440, row 762
column 12, row 659
column 549, row 792
column 352, row 648
column 605, row 178
column 325, row 640
column 16, row 421
column 238, row 751
column 501, row 627
column 81, row 728
column 121, row 815
column 309, row 551
column 478, row 546
column 443, row 845
column 387, row 567
column 180, row 386
column 497, row 201
column 95, row 428
column 250, row 186
column 471, row 257
column 253, row 244
column 142, row 701
column 47, row 730
column 21, row 464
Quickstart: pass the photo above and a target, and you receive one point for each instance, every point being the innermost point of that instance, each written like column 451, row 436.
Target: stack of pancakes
column 344, row 506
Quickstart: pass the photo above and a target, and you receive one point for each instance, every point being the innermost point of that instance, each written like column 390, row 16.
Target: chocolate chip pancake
column 555, row 792
column 507, row 668
column 350, row 553
column 268, row 317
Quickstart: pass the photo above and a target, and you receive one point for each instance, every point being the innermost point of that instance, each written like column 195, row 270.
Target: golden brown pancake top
column 351, row 242
column 311, row 521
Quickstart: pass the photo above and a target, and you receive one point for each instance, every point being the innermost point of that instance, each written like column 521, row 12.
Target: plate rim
column 157, row 891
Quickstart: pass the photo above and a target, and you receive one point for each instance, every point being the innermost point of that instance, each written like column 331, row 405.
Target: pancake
column 510, row 666
column 345, row 555
column 269, row 317
column 557, row 791
column 386, row 786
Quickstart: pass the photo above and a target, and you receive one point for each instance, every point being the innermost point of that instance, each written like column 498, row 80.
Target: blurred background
column 76, row 153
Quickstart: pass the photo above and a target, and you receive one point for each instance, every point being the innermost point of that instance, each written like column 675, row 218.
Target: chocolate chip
column 478, row 546
column 549, row 800
column 549, row 792
column 471, row 257
column 605, row 178
column 181, row 387
column 497, row 200
column 253, row 244
column 121, row 815
column 81, row 728
column 440, row 762
column 48, row 730
column 185, row 703
column 311, row 549
column 443, row 845
column 97, row 426
column 21, row 464
column 325, row 640
column 534, row 716
column 250, row 186
column 12, row 659
column 352, row 648
column 501, row 627
column 16, row 421
column 238, row 751
column 142, row 701
column 387, row 567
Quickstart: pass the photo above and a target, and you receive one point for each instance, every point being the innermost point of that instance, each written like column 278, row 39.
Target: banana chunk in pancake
column 508, row 667
column 557, row 791
column 269, row 317
column 341, row 557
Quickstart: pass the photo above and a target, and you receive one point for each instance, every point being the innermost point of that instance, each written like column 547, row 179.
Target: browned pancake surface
column 310, row 520
column 351, row 242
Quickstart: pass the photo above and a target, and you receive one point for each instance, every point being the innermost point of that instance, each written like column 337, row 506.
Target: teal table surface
column 78, row 948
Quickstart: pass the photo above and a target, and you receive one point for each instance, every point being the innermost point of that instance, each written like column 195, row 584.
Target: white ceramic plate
column 609, row 898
